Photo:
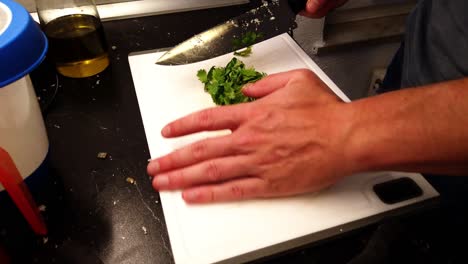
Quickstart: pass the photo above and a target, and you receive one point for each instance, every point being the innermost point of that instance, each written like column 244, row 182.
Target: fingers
column 313, row 6
column 199, row 151
column 316, row 8
column 320, row 8
column 216, row 118
column 207, row 172
column 239, row 189
column 227, row 117
column 267, row 85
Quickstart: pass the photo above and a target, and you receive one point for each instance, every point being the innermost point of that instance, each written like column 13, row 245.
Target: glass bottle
column 77, row 44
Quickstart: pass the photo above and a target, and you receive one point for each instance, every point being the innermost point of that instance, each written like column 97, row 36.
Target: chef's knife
column 270, row 19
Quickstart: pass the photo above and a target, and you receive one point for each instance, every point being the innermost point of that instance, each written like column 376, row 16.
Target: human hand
column 319, row 8
column 290, row 141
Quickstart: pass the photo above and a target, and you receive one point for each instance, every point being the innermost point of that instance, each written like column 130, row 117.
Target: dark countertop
column 95, row 216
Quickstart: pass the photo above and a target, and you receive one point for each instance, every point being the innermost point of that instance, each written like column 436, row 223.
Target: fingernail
column 161, row 181
column 153, row 167
column 246, row 87
column 312, row 4
column 191, row 195
column 166, row 131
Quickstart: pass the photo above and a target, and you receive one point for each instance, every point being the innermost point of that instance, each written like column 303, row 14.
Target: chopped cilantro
column 247, row 41
column 224, row 84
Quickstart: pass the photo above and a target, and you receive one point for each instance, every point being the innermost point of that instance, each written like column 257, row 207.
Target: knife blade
column 270, row 19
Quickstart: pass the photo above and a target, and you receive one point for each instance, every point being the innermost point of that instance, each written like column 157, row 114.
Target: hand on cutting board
column 319, row 8
column 290, row 141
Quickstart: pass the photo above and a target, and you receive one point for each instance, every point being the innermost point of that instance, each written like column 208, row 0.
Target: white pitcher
column 22, row 132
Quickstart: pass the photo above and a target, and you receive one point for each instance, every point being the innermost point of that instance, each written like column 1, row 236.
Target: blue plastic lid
column 23, row 45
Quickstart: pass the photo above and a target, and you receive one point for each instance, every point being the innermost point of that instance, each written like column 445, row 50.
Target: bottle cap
column 23, row 45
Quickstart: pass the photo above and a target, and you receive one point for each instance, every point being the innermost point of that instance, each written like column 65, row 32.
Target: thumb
column 320, row 8
column 312, row 6
column 266, row 85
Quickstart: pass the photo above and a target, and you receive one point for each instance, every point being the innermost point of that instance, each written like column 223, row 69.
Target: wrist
column 360, row 156
column 370, row 142
column 352, row 139
column 416, row 130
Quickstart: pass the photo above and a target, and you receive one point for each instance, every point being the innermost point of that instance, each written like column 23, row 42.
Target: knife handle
column 297, row 5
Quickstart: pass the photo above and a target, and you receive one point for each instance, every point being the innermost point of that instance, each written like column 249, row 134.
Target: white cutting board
column 241, row 231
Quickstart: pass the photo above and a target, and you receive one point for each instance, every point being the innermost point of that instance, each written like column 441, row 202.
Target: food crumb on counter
column 42, row 208
column 145, row 231
column 102, row 155
column 130, row 180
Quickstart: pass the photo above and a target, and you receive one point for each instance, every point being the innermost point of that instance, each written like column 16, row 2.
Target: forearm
column 421, row 129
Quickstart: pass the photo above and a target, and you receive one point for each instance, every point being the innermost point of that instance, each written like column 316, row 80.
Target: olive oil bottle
column 77, row 43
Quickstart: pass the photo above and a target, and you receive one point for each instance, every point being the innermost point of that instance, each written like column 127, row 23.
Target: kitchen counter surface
column 96, row 213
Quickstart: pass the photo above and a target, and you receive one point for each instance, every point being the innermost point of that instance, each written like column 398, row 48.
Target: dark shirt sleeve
column 436, row 43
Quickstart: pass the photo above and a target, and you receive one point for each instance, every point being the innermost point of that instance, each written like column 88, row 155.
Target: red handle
column 13, row 183
column 4, row 258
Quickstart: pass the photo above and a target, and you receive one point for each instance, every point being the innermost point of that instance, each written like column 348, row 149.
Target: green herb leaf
column 224, row 84
column 246, row 41
column 202, row 76
column 245, row 52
